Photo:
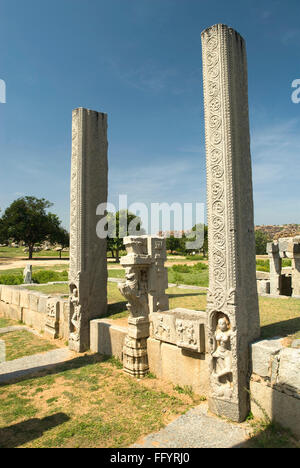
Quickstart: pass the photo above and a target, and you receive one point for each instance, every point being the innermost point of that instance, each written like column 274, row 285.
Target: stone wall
column 275, row 383
column 30, row 307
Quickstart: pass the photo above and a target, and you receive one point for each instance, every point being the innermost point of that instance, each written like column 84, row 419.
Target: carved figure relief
column 222, row 358
column 135, row 291
column 75, row 315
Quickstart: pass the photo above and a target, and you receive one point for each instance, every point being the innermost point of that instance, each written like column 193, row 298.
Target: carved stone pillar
column 233, row 315
column 275, row 268
column 144, row 290
column 88, row 268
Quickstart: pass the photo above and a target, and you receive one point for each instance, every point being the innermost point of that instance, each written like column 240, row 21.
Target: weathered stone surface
column 263, row 287
column 182, row 327
column 289, row 369
column 24, row 299
column 261, row 354
column 27, row 274
column 34, row 301
column 144, row 288
column 88, row 269
column 295, row 344
column 108, row 338
column 232, row 308
column 15, row 297
column 52, row 320
column 179, row 366
column 2, row 351
column 288, row 247
column 279, row 406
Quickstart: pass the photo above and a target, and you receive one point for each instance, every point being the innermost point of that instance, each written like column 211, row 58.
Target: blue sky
column 140, row 62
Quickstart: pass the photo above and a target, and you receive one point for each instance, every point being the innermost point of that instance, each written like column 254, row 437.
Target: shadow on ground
column 283, row 328
column 52, row 369
column 19, row 434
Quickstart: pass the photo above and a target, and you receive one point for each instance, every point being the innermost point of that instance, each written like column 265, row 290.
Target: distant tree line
column 27, row 220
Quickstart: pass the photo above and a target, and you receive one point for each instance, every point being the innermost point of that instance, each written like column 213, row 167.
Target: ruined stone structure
column 233, row 316
column 27, row 274
column 52, row 321
column 144, row 288
column 281, row 284
column 88, row 269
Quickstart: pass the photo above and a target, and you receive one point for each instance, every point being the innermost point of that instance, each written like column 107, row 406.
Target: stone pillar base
column 135, row 358
column 227, row 409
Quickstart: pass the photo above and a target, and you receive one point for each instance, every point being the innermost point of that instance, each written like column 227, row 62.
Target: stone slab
column 280, row 407
column 261, row 353
column 289, row 369
column 179, row 366
column 107, row 338
column 197, row 429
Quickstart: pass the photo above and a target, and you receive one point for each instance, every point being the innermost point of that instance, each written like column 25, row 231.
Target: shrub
column 200, row 266
column 11, row 280
column 49, row 276
column 181, row 268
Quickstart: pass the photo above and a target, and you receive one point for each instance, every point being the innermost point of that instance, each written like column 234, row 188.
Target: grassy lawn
column 10, row 252
column 86, row 402
column 279, row 317
column 22, row 343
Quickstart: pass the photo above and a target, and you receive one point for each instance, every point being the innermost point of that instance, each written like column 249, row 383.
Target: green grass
column 39, row 276
column 10, row 252
column 279, row 317
column 61, row 289
column 264, row 265
column 190, row 275
column 5, row 322
column 267, row 434
column 86, row 402
column 22, row 343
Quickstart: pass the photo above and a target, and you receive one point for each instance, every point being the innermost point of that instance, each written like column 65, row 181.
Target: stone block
column 263, row 287
column 24, row 298
column 280, row 407
column 15, row 312
column 34, row 301
column 183, row 327
column 6, row 294
column 107, row 338
column 15, row 297
column 179, row 366
column 289, row 369
column 261, row 354
column 42, row 304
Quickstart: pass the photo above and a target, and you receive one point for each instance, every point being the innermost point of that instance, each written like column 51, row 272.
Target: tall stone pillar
column 88, row 268
column 233, row 314
column 275, row 268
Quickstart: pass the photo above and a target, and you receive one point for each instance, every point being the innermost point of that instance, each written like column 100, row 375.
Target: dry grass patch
column 87, row 402
column 22, row 343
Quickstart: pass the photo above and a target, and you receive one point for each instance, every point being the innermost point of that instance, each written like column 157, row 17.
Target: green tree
column 261, row 240
column 27, row 220
column 175, row 244
column 119, row 226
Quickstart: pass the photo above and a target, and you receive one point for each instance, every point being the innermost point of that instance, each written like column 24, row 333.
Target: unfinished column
column 233, row 315
column 275, row 268
column 88, row 268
